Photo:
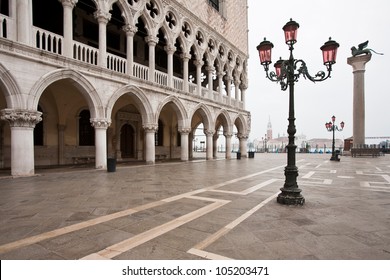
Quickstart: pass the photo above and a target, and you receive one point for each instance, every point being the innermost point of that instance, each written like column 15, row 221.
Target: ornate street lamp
column 330, row 126
column 287, row 72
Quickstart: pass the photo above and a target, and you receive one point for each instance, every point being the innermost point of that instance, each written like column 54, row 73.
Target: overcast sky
column 347, row 22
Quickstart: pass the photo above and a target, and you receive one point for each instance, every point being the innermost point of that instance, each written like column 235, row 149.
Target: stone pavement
column 219, row 209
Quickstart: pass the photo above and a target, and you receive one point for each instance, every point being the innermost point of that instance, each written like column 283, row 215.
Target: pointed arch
column 140, row 98
column 226, row 121
column 206, row 115
column 241, row 124
column 79, row 81
column 11, row 89
column 179, row 109
column 125, row 9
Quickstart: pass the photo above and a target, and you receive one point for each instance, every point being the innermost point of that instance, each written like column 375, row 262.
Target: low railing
column 85, row 53
column 48, row 41
column 192, row 88
column 140, row 71
column 160, row 78
column 178, row 83
column 116, row 63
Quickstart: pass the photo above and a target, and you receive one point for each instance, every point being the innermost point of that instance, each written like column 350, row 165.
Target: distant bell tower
column 269, row 129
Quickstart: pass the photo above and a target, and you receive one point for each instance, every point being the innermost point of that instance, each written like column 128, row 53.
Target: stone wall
column 231, row 22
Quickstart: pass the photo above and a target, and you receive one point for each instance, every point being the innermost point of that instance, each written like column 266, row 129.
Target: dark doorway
column 127, row 141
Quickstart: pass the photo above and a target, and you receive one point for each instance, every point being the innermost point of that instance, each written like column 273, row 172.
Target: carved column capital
column 199, row 63
column 185, row 56
column 185, row 131
column 20, row 117
column 102, row 16
column 209, row 132
column 150, row 127
column 151, row 40
column 242, row 136
column 170, row 49
column 210, row 68
column 68, row 3
column 129, row 29
column 100, row 123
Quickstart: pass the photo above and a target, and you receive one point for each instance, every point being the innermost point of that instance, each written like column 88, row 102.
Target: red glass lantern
column 333, row 118
column 290, row 32
column 329, row 52
column 265, row 49
column 278, row 67
column 342, row 125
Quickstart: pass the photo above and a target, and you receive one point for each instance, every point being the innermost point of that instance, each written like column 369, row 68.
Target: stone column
column 102, row 18
column 186, row 57
column 68, row 6
column 22, row 123
column 215, row 145
column 100, row 126
column 185, row 143
column 209, row 143
column 358, row 65
column 228, row 139
column 150, row 148
column 24, row 21
column 210, row 71
column 244, row 84
column 199, row 65
column 237, row 89
column 130, row 32
column 228, row 79
column 243, row 88
column 152, row 42
column 243, row 143
column 170, row 49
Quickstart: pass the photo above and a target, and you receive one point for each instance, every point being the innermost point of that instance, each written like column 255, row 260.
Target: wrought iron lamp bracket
column 319, row 77
column 291, row 70
column 334, row 127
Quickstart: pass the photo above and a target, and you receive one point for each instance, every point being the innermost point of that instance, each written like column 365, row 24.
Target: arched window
column 86, row 131
column 38, row 131
column 159, row 135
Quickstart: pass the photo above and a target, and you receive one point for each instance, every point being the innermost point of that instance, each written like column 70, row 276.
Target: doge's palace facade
column 84, row 80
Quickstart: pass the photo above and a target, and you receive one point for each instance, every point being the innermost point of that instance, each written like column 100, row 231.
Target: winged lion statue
column 362, row 49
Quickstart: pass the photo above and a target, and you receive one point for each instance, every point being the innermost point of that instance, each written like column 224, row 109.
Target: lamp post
column 287, row 72
column 330, row 126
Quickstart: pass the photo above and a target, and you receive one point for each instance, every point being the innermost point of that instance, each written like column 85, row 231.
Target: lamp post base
column 335, row 156
column 289, row 197
column 290, row 193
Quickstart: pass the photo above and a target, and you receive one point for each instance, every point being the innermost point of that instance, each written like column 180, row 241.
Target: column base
column 290, row 197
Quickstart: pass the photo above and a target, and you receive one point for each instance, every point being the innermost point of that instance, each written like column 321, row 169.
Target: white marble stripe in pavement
column 198, row 248
column 251, row 189
column 130, row 243
column 68, row 229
